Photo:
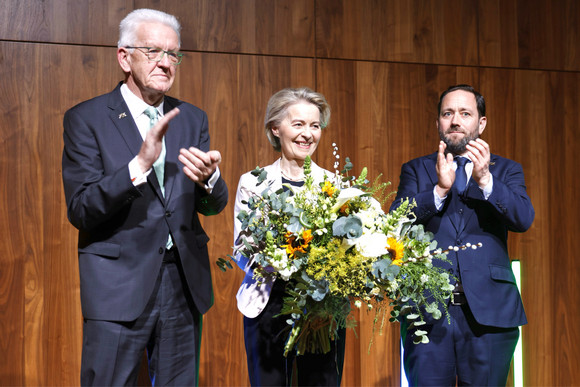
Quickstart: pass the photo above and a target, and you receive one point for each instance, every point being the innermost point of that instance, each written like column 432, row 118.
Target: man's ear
column 482, row 124
column 124, row 59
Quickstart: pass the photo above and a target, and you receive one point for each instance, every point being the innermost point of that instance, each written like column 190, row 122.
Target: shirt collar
column 136, row 105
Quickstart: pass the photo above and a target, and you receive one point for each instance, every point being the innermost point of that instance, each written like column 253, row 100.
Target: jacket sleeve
column 93, row 194
column 509, row 199
column 243, row 193
column 410, row 188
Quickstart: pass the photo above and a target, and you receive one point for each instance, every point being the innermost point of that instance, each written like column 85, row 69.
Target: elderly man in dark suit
column 466, row 194
column 137, row 170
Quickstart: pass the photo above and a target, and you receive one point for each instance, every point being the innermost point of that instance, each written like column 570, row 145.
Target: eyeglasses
column 156, row 54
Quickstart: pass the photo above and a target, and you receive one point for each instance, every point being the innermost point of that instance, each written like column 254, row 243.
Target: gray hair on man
column 129, row 25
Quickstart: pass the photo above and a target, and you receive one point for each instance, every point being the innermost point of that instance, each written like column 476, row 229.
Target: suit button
column 460, row 211
column 161, row 250
column 168, row 213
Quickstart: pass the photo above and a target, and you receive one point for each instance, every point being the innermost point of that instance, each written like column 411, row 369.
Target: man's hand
column 479, row 154
column 153, row 143
column 445, row 171
column 199, row 165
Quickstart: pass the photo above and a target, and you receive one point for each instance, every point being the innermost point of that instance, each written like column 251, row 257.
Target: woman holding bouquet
column 294, row 122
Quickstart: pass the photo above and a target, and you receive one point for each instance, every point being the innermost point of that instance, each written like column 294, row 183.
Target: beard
column 457, row 147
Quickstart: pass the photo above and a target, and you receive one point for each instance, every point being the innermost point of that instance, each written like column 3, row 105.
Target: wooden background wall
column 380, row 63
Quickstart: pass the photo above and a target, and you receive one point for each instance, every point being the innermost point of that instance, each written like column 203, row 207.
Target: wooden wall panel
column 382, row 115
column 426, row 31
column 399, row 57
column 282, row 27
column 39, row 244
column 526, row 34
column 529, row 121
column 234, row 91
column 63, row 21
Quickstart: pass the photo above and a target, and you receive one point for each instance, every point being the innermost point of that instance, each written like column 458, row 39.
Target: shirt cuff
column 212, row 180
column 137, row 178
column 438, row 200
column 487, row 190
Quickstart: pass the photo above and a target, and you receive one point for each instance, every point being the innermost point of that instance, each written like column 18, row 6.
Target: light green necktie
column 159, row 164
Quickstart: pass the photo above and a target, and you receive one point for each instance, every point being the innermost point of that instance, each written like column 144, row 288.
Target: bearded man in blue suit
column 465, row 194
column 137, row 171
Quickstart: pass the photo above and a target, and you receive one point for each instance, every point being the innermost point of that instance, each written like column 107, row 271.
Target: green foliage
column 334, row 245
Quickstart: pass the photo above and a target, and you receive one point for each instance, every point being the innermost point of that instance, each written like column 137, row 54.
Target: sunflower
column 294, row 244
column 307, row 237
column 395, row 248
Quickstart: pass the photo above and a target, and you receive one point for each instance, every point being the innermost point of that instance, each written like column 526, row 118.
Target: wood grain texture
column 529, row 34
column 381, row 65
column 282, row 27
column 234, row 91
column 425, row 31
column 40, row 244
column 383, row 115
column 63, row 21
column 529, row 121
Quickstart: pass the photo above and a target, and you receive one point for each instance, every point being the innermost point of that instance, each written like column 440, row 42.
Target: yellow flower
column 395, row 248
column 328, row 188
column 293, row 245
column 307, row 237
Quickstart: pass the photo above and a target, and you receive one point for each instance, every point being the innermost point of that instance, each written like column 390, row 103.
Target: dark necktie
column 460, row 175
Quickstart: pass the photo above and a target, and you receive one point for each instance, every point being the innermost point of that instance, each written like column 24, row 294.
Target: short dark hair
column 480, row 101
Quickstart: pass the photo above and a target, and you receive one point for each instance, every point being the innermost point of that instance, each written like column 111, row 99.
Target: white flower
column 285, row 274
column 368, row 219
column 321, row 231
column 344, row 196
column 376, row 206
column 281, row 264
column 372, row 245
column 424, row 278
column 358, row 304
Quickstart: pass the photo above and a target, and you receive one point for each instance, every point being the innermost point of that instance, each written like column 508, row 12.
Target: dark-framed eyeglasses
column 155, row 54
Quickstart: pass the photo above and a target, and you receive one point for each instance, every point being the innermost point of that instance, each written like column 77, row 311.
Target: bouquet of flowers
column 335, row 246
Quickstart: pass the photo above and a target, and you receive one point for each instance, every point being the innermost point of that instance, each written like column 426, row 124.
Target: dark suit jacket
column 122, row 228
column 486, row 273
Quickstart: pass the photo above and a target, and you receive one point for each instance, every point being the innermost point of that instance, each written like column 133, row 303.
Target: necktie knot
column 461, row 161
column 460, row 174
column 151, row 112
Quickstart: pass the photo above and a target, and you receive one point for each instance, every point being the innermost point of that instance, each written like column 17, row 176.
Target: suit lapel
column 459, row 223
column 173, row 142
column 123, row 121
column 430, row 163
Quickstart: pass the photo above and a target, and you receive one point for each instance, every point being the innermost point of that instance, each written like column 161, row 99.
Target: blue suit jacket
column 122, row 228
column 486, row 273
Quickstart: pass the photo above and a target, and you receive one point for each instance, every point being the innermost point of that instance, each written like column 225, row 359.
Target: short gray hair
column 279, row 103
column 129, row 25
